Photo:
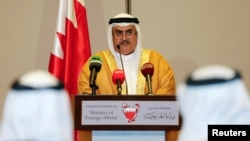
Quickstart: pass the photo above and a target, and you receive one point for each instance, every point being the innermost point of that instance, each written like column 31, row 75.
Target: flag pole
column 128, row 6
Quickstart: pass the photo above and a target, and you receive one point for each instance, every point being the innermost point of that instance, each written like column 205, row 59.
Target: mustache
column 124, row 42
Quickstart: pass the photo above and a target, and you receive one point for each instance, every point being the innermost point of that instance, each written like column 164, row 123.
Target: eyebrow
column 123, row 30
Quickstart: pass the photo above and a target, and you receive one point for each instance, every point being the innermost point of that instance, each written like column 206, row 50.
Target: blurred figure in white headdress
column 37, row 108
column 213, row 94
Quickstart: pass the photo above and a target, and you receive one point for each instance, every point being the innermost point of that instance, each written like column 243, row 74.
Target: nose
column 124, row 37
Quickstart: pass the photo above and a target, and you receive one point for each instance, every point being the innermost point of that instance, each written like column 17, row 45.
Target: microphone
column 147, row 70
column 118, row 78
column 118, row 47
column 95, row 65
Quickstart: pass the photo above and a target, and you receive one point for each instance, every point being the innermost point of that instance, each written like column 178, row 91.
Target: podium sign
column 112, row 112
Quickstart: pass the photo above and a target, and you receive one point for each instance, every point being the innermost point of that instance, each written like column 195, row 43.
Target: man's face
column 126, row 37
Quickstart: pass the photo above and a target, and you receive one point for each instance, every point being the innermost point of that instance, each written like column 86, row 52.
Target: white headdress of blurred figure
column 38, row 108
column 213, row 94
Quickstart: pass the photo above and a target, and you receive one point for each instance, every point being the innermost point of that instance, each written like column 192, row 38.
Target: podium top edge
column 126, row 97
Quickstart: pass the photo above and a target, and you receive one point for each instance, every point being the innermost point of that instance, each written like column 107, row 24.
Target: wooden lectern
column 126, row 112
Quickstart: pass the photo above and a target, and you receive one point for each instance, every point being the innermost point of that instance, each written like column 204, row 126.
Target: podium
column 126, row 112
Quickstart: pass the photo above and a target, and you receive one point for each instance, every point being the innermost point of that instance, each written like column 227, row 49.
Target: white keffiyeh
column 212, row 95
column 37, row 109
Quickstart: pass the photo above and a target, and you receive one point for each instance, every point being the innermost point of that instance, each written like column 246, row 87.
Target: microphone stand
column 119, row 88
column 94, row 88
column 150, row 92
column 92, row 81
column 118, row 46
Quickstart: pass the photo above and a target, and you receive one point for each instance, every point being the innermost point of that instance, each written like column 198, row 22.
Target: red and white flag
column 71, row 46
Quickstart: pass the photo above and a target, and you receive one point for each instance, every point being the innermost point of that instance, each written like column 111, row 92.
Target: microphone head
column 95, row 62
column 118, row 74
column 147, row 68
column 118, row 47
